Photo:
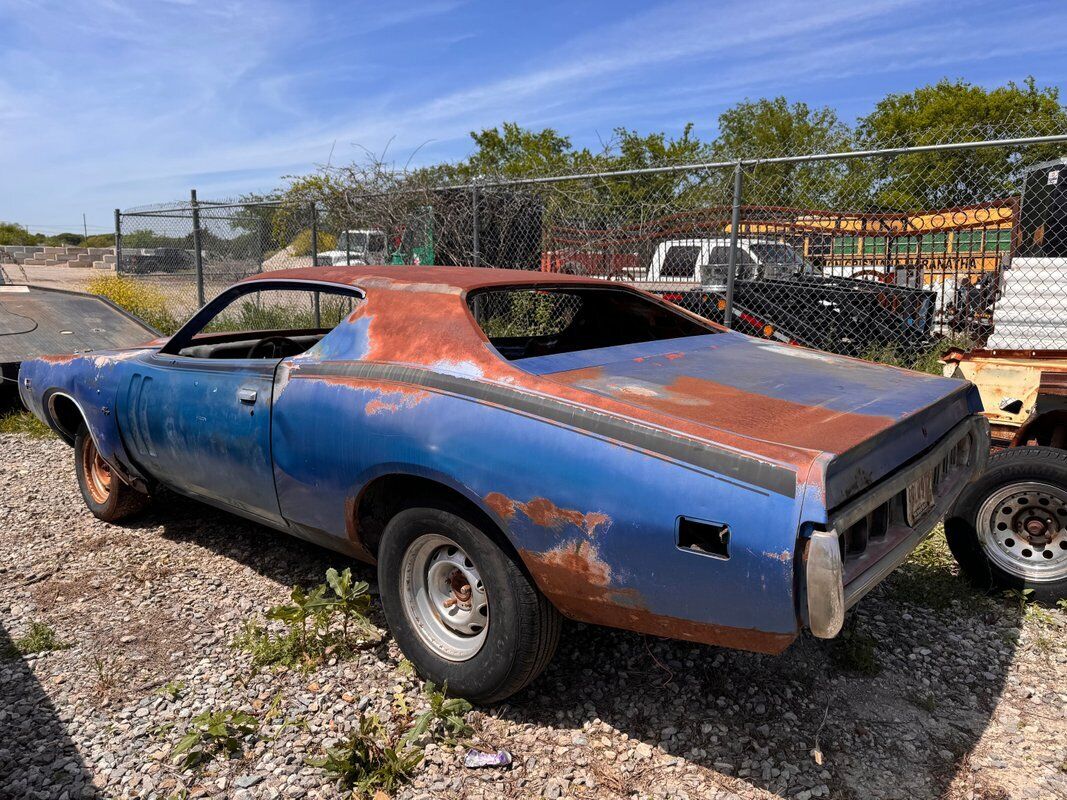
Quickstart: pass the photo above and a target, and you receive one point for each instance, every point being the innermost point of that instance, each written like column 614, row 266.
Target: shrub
column 100, row 240
column 140, row 300
column 301, row 244
column 445, row 719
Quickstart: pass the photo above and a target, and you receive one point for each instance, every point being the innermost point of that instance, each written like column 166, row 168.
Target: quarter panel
column 593, row 520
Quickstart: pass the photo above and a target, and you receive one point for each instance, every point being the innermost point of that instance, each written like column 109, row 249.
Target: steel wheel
column 97, row 473
column 1023, row 530
column 444, row 598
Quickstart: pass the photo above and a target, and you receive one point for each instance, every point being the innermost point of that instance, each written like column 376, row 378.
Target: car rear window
column 526, row 323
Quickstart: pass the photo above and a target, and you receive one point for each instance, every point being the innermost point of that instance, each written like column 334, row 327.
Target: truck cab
column 706, row 261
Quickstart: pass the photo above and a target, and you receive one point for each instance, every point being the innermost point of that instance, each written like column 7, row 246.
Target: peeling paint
column 393, row 401
column 542, row 511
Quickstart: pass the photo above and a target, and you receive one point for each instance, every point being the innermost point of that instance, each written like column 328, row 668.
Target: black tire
column 1044, row 466
column 112, row 503
column 523, row 630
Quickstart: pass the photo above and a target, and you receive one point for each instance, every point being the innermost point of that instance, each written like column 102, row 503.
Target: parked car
column 356, row 247
column 511, row 447
column 157, row 259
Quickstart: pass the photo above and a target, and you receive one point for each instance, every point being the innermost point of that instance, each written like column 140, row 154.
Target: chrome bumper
column 835, row 578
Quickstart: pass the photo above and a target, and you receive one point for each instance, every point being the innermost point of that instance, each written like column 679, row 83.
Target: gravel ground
column 969, row 699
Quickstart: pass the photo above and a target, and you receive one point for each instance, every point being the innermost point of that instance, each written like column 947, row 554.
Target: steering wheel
column 274, row 347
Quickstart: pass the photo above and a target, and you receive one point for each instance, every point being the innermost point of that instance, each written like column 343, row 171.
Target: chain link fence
column 884, row 254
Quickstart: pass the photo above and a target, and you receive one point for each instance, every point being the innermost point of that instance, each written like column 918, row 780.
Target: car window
column 279, row 310
column 525, row 322
column 269, row 322
column 680, row 261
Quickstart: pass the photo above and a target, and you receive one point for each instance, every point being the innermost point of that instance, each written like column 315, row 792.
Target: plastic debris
column 476, row 759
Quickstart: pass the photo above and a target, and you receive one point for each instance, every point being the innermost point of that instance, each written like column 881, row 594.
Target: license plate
column 920, row 497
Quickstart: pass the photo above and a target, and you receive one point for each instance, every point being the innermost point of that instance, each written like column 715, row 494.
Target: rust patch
column 543, row 512
column 785, row 556
column 577, row 581
column 58, row 359
column 392, row 401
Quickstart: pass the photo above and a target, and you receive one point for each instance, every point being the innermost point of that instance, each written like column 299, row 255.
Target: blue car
column 510, row 448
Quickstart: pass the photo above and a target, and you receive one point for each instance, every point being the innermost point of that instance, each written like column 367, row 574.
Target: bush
column 13, row 233
column 301, row 244
column 140, row 300
column 100, row 240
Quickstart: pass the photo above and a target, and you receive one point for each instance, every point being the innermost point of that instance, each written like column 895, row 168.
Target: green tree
column 13, row 233
column 954, row 111
column 771, row 127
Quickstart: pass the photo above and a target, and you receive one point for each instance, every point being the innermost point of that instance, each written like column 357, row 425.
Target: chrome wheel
column 443, row 597
column 1023, row 530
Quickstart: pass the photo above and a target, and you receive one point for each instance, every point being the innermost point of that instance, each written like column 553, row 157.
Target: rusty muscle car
column 510, row 448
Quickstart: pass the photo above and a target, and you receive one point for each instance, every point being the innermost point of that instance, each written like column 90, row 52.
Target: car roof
column 429, row 278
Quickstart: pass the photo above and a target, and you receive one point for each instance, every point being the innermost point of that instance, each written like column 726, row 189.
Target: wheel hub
column 1023, row 529
column 444, row 597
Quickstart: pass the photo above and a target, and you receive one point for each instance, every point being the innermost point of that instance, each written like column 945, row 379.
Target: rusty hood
column 868, row 419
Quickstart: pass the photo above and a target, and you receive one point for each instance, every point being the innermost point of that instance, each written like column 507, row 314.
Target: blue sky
column 116, row 103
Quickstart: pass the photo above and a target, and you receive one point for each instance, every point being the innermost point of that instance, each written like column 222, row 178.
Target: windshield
column 352, row 240
column 780, row 260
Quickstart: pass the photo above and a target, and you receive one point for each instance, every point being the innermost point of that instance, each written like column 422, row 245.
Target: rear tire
column 105, row 493
column 1009, row 527
column 461, row 608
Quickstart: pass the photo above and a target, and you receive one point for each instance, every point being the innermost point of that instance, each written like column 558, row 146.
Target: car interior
column 524, row 323
column 270, row 323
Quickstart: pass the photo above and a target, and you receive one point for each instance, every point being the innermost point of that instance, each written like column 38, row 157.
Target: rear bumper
column 869, row 536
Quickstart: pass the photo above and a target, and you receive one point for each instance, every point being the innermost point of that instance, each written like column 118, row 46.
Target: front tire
column 461, row 608
column 1009, row 527
column 106, row 494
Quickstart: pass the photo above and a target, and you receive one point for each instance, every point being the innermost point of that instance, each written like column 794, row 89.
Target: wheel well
column 1048, row 430
column 65, row 415
column 386, row 496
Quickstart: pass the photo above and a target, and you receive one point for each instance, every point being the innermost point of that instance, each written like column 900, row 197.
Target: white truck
column 364, row 246
column 705, row 261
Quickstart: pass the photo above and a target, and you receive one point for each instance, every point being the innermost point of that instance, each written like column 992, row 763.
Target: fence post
column 735, row 223
column 198, row 254
column 118, row 241
column 315, row 259
column 475, row 226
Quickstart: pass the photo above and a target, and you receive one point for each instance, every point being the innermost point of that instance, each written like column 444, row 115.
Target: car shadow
column 36, row 753
column 891, row 708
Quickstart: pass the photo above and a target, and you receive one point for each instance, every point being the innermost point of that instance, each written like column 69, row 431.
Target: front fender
column 91, row 382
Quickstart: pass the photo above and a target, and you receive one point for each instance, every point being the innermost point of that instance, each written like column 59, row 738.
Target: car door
column 197, row 414
column 202, row 427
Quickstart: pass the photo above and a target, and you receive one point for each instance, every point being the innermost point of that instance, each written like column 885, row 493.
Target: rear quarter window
column 529, row 322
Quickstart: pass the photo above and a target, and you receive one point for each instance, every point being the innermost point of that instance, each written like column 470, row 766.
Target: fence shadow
column 37, row 756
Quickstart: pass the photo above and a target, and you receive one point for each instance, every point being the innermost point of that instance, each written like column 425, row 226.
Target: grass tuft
column 39, row 639
column 25, row 423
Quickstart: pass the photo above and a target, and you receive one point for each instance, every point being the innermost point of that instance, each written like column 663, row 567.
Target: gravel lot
column 969, row 699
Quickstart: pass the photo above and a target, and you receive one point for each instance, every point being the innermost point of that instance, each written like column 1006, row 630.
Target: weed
column 927, row 702
column 370, row 759
column 853, row 651
column 444, row 720
column 930, row 578
column 211, row 734
column 172, row 690
column 1061, row 604
column 106, row 671
column 311, row 624
column 24, row 422
column 39, row 639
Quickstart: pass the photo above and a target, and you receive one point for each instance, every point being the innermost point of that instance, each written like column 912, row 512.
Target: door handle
column 247, row 396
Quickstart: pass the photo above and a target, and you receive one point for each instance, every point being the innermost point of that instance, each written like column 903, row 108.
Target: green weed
column 212, row 734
